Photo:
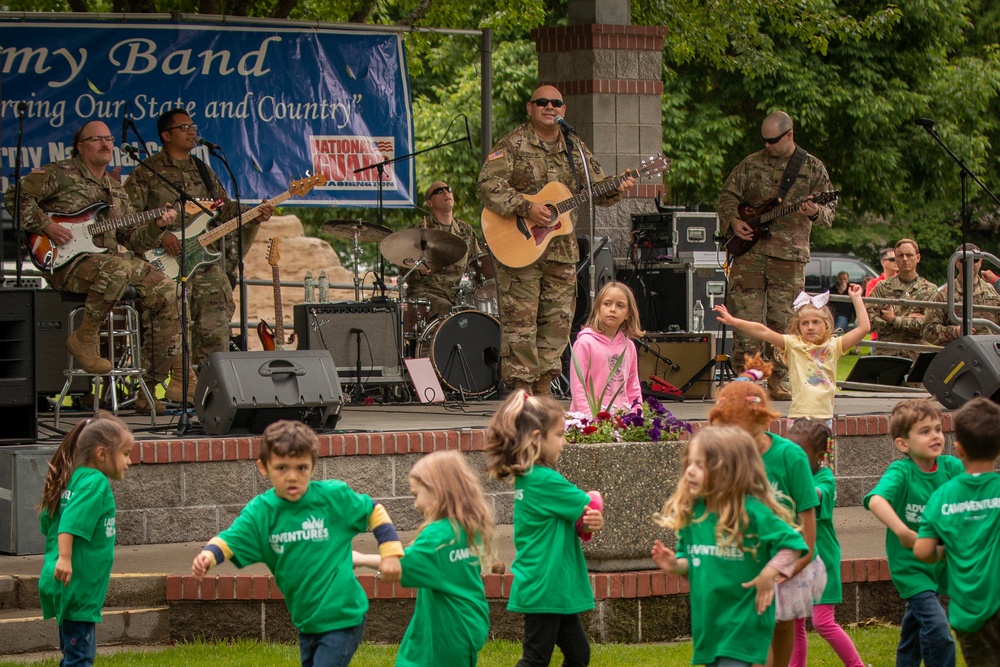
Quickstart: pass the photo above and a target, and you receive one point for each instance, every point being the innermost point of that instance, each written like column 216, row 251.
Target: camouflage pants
column 440, row 303
column 210, row 310
column 536, row 312
column 103, row 278
column 761, row 289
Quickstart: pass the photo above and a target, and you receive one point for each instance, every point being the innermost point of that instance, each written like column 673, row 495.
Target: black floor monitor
column 890, row 371
column 920, row 366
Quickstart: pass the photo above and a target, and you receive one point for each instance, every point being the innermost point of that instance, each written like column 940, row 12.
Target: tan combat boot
column 175, row 386
column 516, row 385
column 142, row 405
column 85, row 346
column 542, row 386
column 778, row 390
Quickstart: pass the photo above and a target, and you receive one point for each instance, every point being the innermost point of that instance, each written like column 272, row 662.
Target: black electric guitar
column 759, row 218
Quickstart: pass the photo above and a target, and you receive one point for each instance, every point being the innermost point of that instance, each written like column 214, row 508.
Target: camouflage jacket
column 68, row 186
column 757, row 179
column 938, row 330
column 909, row 320
column 147, row 191
column 522, row 163
column 444, row 281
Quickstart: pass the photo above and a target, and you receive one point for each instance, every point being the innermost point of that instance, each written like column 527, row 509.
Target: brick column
column 611, row 78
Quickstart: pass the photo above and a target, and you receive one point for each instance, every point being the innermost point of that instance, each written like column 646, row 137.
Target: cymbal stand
column 720, row 359
column 356, row 253
column 466, row 371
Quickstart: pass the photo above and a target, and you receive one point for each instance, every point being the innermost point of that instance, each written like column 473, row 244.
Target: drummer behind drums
column 440, row 287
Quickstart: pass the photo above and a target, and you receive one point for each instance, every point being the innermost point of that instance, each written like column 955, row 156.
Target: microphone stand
column 240, row 277
column 966, row 215
column 590, row 205
column 16, row 217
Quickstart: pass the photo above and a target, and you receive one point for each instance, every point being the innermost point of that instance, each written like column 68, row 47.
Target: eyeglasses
column 544, row 102
column 890, row 259
column 183, row 127
column 776, row 139
column 443, row 188
column 96, row 140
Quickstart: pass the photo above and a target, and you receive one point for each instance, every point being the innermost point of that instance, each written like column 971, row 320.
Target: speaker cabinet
column 688, row 352
column 964, row 369
column 338, row 328
column 243, row 392
column 666, row 294
column 18, row 406
column 22, row 479
column 51, row 331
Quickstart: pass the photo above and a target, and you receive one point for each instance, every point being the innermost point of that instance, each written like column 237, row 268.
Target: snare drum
column 416, row 313
column 464, row 349
column 484, row 276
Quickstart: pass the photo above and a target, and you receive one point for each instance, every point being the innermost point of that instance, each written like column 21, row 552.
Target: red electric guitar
column 274, row 339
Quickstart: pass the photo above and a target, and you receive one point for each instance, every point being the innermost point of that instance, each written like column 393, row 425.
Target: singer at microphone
column 208, row 144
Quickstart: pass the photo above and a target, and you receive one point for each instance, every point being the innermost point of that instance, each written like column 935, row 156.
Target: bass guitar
column 84, row 225
column 198, row 238
column 516, row 241
column 759, row 218
column 274, row 339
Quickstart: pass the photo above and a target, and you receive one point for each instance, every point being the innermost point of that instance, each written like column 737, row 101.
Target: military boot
column 542, row 386
column 518, row 385
column 85, row 346
column 175, row 386
column 778, row 390
column 142, row 406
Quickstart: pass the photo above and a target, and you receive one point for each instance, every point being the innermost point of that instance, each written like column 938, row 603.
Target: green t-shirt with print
column 87, row 512
column 827, row 544
column 550, row 574
column 307, row 546
column 788, row 470
column 907, row 488
column 964, row 515
column 724, row 619
column 451, row 619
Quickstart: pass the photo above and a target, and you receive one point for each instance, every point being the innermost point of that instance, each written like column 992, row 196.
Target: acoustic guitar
column 274, row 339
column 759, row 218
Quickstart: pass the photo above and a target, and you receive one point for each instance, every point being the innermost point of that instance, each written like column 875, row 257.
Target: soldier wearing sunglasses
column 765, row 280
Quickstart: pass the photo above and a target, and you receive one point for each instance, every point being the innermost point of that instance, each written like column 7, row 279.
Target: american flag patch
column 494, row 155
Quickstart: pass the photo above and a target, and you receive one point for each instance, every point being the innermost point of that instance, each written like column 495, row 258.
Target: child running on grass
column 302, row 531
column 733, row 539
column 551, row 584
column 452, row 619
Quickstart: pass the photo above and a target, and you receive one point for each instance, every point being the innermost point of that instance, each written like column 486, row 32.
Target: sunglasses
column 889, row 259
column 776, row 139
column 544, row 102
column 443, row 188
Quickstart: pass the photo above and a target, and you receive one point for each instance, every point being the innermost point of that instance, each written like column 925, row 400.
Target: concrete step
column 124, row 590
column 24, row 630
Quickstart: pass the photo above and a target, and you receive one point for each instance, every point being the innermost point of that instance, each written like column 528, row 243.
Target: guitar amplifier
column 337, row 327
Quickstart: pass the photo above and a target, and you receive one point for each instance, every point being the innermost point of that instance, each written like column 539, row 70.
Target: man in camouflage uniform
column 210, row 288
column 938, row 330
column 537, row 301
column 438, row 287
column 764, row 281
column 899, row 323
column 68, row 186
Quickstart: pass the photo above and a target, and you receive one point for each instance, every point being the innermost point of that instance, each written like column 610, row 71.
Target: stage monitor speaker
column 244, row 392
column 964, row 369
column 18, row 405
column 688, row 352
column 604, row 272
column 335, row 327
column 880, row 369
column 22, row 479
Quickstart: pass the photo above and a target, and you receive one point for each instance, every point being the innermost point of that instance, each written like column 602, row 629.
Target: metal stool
column 121, row 337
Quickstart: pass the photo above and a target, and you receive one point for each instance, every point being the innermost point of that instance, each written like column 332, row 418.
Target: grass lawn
column 877, row 645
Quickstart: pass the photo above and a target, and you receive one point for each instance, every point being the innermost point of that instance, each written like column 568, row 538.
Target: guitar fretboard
column 230, row 225
column 101, row 226
column 279, row 317
column 602, row 188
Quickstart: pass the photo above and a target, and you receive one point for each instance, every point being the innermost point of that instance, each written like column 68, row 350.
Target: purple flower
column 655, row 405
column 654, row 434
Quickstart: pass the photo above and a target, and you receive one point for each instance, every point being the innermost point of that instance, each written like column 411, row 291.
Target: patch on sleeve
column 495, row 155
column 38, row 170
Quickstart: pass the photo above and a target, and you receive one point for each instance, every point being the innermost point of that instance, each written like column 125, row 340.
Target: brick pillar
column 611, row 78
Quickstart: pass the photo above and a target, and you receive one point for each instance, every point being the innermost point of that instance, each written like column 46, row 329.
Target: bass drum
column 464, row 349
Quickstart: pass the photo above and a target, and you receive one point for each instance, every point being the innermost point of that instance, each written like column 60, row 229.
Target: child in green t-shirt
column 452, row 618
column 733, row 539
column 963, row 515
column 551, row 585
column 302, row 531
column 815, row 439
column 898, row 501
column 78, row 521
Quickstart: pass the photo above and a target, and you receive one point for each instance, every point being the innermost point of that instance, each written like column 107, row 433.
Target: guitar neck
column 776, row 213
column 598, row 190
column 279, row 318
column 228, row 226
column 100, row 226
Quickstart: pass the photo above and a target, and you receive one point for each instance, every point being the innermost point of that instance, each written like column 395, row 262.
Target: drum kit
column 464, row 344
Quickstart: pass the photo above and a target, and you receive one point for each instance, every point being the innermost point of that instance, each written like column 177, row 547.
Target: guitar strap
column 792, row 170
column 207, row 179
column 572, row 166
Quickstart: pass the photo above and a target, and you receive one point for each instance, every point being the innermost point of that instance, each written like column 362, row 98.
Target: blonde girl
column 602, row 346
column 445, row 562
column 733, row 539
column 744, row 403
column 551, row 586
column 78, row 521
column 810, row 349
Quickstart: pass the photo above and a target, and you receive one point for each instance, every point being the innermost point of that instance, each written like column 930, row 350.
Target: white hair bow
column 817, row 301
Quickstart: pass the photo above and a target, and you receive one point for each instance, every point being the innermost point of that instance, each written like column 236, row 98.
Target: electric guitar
column 760, row 219
column 197, row 237
column 274, row 339
column 516, row 241
column 84, row 225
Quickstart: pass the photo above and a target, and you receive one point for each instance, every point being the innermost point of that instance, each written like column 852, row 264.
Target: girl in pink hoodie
column 613, row 320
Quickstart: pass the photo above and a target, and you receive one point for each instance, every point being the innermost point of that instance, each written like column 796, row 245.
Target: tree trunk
column 418, row 13
column 283, row 9
column 364, row 12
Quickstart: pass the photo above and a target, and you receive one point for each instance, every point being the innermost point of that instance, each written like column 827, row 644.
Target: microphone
column 646, row 346
column 566, row 127
column 924, row 122
column 468, row 134
column 357, row 331
column 208, row 144
column 124, row 130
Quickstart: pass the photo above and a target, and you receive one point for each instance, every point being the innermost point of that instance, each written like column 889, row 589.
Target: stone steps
column 24, row 630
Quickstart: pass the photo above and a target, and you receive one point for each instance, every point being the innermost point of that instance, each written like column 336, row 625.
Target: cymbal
column 366, row 231
column 437, row 247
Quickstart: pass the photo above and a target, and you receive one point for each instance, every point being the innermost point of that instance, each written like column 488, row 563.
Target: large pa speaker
column 51, row 331
column 340, row 327
column 244, row 392
column 18, row 405
column 964, row 369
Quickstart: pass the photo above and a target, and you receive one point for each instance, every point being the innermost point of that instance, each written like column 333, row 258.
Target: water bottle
column 698, row 317
column 310, row 287
column 323, row 288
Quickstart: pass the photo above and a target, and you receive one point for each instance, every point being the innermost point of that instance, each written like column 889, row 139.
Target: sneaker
column 142, row 405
